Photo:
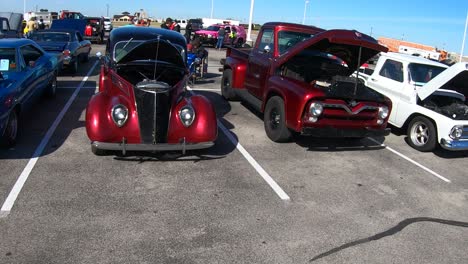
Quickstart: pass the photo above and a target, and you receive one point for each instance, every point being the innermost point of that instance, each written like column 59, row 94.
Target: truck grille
column 344, row 112
column 465, row 132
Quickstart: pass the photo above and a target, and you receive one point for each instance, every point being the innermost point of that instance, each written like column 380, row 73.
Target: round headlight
column 119, row 114
column 316, row 108
column 187, row 115
column 209, row 36
column 383, row 112
column 456, row 132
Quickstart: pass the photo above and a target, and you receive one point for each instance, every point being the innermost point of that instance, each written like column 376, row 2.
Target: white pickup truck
column 429, row 99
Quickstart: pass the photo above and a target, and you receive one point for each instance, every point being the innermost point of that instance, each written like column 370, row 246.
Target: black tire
column 239, row 43
column 422, row 134
column 86, row 57
column 98, row 152
column 274, row 120
column 10, row 135
column 51, row 89
column 74, row 66
column 226, row 86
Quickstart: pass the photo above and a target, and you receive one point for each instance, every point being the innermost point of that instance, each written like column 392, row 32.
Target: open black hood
column 344, row 44
column 152, row 50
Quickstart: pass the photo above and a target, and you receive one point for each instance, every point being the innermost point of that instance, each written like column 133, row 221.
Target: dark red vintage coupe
column 143, row 103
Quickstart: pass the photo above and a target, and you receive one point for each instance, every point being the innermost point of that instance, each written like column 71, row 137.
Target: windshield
column 288, row 39
column 50, row 37
column 212, row 28
column 123, row 47
column 7, row 59
column 3, row 25
column 423, row 73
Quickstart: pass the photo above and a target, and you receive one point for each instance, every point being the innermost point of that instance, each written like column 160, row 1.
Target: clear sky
column 432, row 22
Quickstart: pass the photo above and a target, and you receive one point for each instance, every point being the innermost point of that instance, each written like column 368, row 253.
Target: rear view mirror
column 99, row 54
column 267, row 49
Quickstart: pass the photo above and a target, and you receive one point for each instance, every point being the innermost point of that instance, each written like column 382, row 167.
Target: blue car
column 26, row 73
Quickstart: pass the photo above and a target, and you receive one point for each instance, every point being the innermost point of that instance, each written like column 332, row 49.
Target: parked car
column 26, row 73
column 67, row 44
column 210, row 35
column 96, row 32
column 142, row 103
column 298, row 77
column 107, row 24
column 429, row 99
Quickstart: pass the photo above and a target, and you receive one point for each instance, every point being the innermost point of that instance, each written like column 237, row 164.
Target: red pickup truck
column 299, row 77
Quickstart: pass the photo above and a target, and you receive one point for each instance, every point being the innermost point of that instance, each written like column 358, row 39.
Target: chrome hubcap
column 275, row 118
column 419, row 134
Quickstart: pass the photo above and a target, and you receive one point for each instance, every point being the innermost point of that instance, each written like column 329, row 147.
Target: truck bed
column 239, row 53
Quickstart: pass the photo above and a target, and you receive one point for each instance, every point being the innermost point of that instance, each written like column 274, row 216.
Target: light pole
column 305, row 9
column 249, row 31
column 107, row 5
column 212, row 4
column 464, row 36
column 24, row 7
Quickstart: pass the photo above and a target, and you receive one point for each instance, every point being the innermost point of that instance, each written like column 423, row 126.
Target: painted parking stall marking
column 412, row 161
column 15, row 191
column 278, row 190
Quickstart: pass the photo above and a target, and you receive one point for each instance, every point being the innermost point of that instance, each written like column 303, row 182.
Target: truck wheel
column 226, row 86
column 8, row 139
column 274, row 120
column 422, row 134
column 52, row 87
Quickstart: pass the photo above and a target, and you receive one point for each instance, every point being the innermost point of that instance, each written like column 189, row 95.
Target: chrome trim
column 183, row 146
column 345, row 107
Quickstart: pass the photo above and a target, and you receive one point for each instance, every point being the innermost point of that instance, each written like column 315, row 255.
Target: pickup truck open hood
column 159, row 50
column 453, row 78
column 344, row 44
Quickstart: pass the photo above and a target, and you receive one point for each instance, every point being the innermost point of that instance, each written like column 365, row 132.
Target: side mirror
column 267, row 49
column 99, row 55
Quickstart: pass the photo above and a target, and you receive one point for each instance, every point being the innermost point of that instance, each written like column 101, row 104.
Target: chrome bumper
column 454, row 144
column 160, row 147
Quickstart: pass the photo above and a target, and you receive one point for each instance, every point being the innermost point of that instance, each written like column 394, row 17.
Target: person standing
column 41, row 24
column 233, row 35
column 31, row 25
column 221, row 33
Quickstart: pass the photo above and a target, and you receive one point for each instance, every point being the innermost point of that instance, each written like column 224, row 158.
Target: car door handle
column 374, row 80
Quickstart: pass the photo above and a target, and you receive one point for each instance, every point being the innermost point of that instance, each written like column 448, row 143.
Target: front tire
column 52, row 87
column 226, row 86
column 422, row 134
column 274, row 120
column 10, row 135
column 74, row 67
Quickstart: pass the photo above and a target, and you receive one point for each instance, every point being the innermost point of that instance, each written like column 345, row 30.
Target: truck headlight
column 209, row 36
column 119, row 114
column 456, row 132
column 187, row 115
column 316, row 109
column 383, row 112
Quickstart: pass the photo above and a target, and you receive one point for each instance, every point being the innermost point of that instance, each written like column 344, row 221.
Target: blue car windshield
column 50, row 37
column 7, row 59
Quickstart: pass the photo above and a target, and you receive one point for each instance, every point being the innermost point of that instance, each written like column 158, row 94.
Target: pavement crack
column 392, row 231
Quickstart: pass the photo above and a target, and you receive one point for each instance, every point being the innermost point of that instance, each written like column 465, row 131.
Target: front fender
column 100, row 126
column 204, row 127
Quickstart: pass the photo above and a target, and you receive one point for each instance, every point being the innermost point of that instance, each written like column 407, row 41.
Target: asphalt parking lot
column 246, row 200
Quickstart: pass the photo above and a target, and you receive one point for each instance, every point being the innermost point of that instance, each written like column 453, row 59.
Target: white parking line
column 412, row 161
column 15, row 191
column 278, row 190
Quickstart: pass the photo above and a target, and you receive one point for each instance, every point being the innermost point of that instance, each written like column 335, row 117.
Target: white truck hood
column 444, row 79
